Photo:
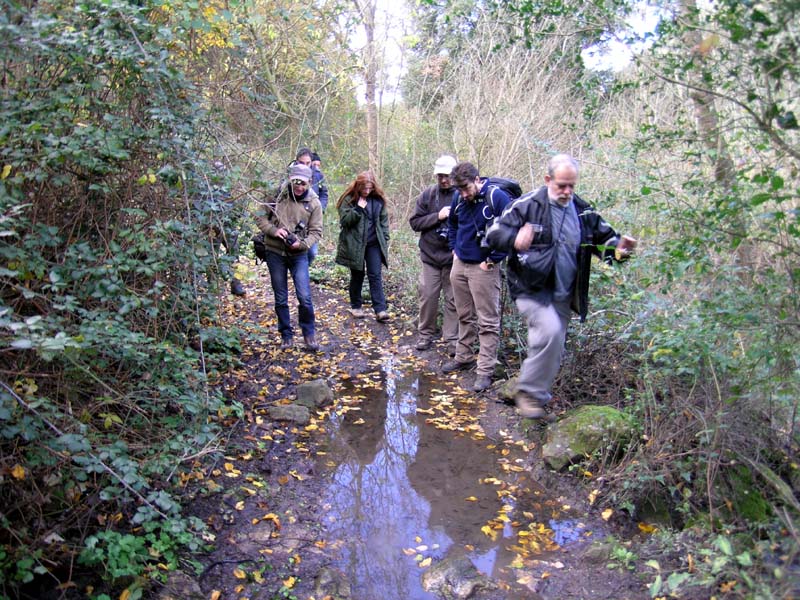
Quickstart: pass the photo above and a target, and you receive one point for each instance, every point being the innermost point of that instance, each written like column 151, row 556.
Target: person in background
column 312, row 160
column 364, row 239
column 318, row 182
column 291, row 226
column 551, row 235
column 430, row 219
column 475, row 275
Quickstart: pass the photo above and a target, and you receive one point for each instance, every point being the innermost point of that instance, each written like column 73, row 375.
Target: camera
column 481, row 237
column 290, row 239
column 443, row 230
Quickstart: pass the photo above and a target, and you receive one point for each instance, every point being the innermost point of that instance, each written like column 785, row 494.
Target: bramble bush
column 109, row 282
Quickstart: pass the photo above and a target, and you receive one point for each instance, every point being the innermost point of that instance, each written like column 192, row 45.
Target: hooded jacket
column 354, row 231
column 289, row 212
column 531, row 274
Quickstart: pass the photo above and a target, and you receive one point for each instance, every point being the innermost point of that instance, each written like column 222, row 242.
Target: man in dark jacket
column 430, row 220
column 475, row 276
column 550, row 235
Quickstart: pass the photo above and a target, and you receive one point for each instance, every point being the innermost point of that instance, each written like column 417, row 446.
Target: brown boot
column 529, row 408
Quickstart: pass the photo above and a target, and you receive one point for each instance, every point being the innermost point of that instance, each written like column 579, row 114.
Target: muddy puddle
column 412, row 481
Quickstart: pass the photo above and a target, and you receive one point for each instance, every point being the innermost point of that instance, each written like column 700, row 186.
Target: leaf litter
column 285, row 547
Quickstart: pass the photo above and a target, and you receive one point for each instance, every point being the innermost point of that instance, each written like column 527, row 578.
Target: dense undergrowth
column 111, row 270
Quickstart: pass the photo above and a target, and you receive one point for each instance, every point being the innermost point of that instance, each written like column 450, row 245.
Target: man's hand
column 524, row 238
column 444, row 213
column 281, row 233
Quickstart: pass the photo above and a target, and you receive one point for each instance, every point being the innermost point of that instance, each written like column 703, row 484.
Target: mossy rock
column 583, row 432
column 746, row 500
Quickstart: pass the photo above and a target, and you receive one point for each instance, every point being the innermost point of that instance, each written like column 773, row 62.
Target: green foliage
column 108, row 280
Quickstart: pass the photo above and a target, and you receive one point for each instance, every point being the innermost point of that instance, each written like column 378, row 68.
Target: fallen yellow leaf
column 425, row 563
column 239, row 505
column 471, row 499
column 239, row 574
column 647, row 528
column 289, row 583
column 215, row 595
column 18, row 472
column 593, row 496
column 606, row 514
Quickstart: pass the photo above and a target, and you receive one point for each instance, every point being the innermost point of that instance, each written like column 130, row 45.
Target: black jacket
column 531, row 273
column 433, row 245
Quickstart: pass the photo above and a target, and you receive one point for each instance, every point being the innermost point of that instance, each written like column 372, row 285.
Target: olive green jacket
column 353, row 231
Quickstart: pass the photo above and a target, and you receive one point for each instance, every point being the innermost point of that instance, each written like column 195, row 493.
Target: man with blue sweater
column 475, row 276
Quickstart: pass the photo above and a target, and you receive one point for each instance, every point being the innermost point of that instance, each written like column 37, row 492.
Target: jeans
column 279, row 266
column 372, row 256
column 312, row 253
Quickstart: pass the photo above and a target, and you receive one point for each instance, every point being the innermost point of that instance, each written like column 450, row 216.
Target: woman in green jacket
column 364, row 239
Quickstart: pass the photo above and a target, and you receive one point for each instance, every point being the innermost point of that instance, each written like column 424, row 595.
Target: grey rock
column 330, row 583
column 455, row 578
column 180, row 586
column 314, row 394
column 290, row 412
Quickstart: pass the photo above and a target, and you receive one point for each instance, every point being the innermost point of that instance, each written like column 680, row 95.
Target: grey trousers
column 547, row 332
column 433, row 283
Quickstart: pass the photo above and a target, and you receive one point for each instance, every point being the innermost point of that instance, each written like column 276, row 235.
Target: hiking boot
column 529, row 408
column 382, row 317
column 287, row 342
column 311, row 343
column 423, row 344
column 482, row 383
column 236, row 287
column 358, row 313
column 451, row 349
column 452, row 366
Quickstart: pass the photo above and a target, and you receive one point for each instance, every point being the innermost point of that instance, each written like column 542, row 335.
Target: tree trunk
column 367, row 10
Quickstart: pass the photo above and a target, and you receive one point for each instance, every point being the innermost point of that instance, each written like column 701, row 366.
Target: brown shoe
column 482, row 383
column 452, row 366
column 423, row 344
column 529, row 408
column 311, row 343
column 382, row 317
column 358, row 313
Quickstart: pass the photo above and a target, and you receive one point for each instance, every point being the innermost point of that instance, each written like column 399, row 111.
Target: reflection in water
column 400, row 483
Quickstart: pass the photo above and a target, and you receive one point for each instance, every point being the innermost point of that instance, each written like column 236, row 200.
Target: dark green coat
column 353, row 230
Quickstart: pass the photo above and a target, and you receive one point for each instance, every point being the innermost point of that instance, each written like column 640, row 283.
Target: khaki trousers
column 477, row 296
column 547, row 332
column 435, row 282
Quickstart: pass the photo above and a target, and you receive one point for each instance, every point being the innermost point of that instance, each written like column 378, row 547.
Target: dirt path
column 263, row 500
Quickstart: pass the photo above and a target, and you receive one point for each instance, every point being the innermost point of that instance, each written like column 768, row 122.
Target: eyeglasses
column 299, row 182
